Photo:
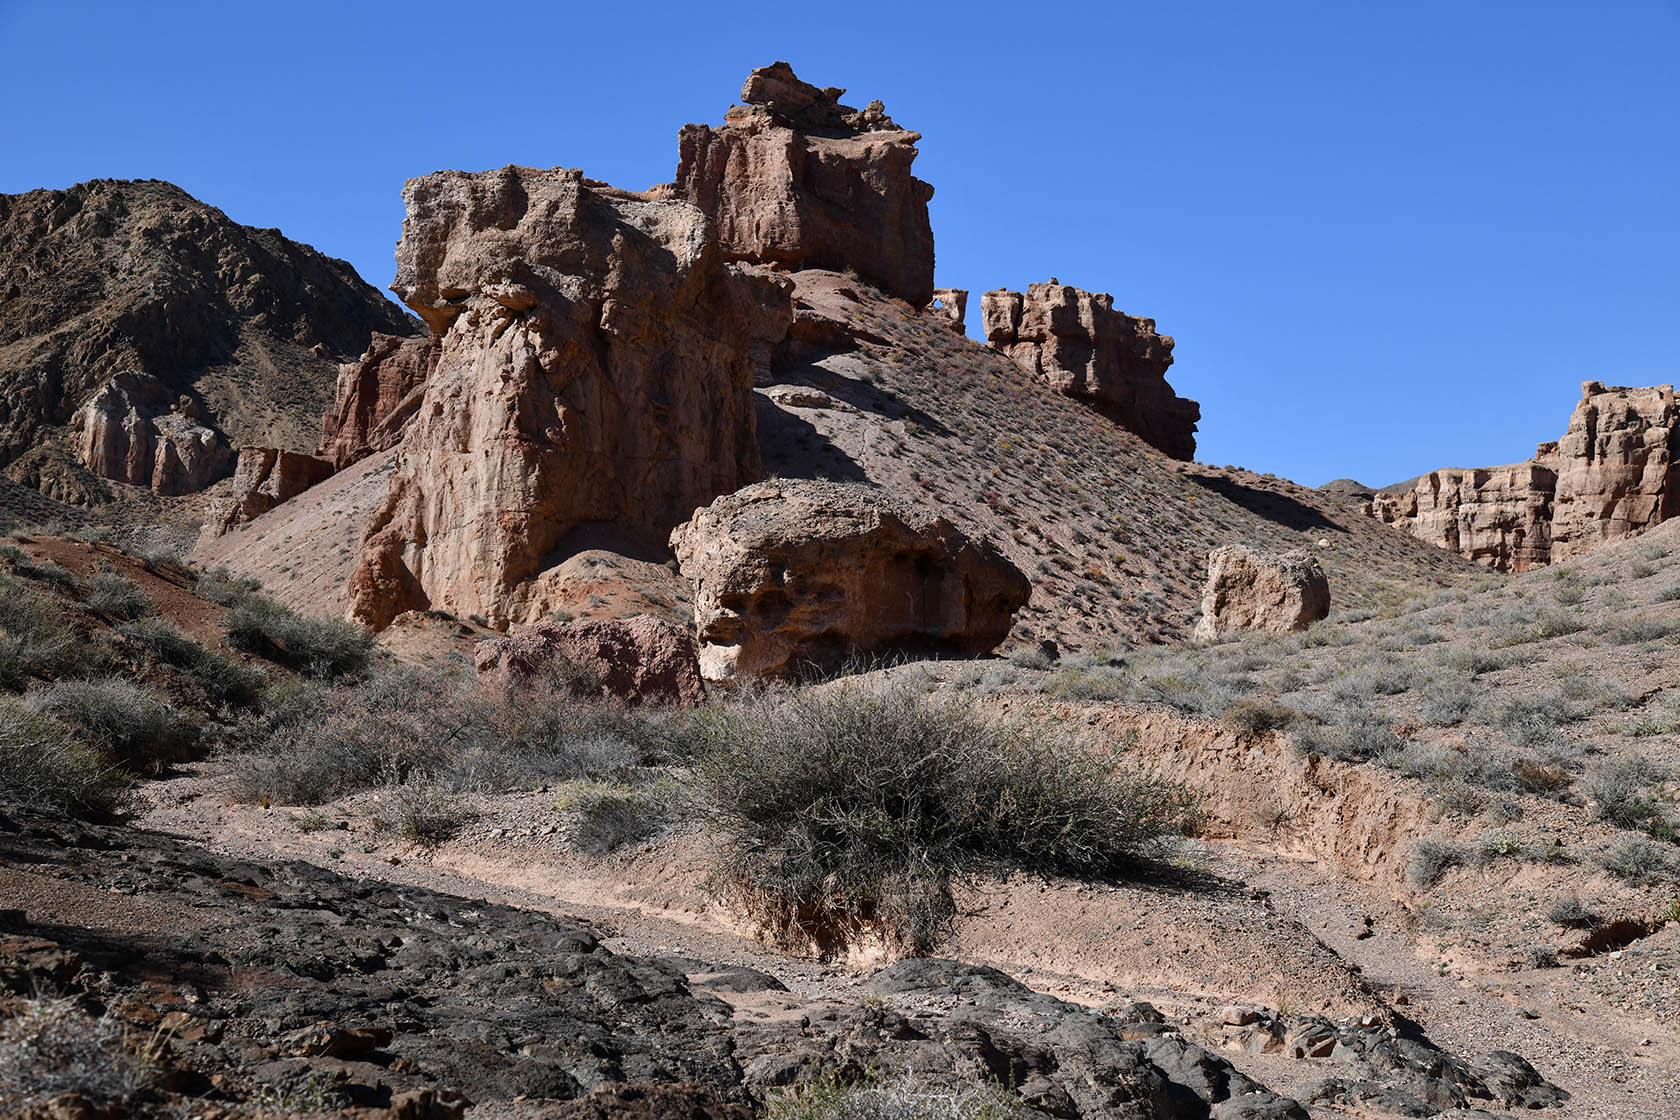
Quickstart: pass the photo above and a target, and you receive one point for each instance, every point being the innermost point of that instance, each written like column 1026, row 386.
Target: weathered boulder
column 595, row 360
column 265, row 477
column 1249, row 591
column 793, row 574
column 795, row 178
column 134, row 430
column 952, row 303
column 1618, row 467
column 377, row 396
column 1085, row 349
column 1498, row 516
column 641, row 659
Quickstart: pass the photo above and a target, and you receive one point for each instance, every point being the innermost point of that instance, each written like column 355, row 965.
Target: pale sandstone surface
column 1247, row 590
column 794, row 178
column 1498, row 516
column 134, row 430
column 595, row 362
column 377, row 395
column 639, row 660
column 1079, row 345
column 790, row 575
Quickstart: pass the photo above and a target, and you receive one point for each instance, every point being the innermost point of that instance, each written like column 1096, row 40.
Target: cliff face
column 131, row 431
column 114, row 276
column 1612, row 474
column 1076, row 342
column 594, row 364
column 377, row 396
column 795, row 178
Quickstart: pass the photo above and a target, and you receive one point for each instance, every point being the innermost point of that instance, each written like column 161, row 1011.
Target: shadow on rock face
column 1281, row 508
column 793, row 447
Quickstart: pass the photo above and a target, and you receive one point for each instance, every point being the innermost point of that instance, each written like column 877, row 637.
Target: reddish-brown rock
column 795, row 178
column 1498, row 516
column 952, row 303
column 134, row 430
column 639, row 660
column 595, row 361
column 264, row 478
column 1618, row 467
column 377, row 396
column 1085, row 349
column 1250, row 591
column 792, row 575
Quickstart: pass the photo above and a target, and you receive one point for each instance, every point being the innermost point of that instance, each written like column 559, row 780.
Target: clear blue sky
column 1386, row 237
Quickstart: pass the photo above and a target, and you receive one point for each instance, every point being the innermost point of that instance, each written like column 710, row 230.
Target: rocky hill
column 1615, row 472
column 144, row 336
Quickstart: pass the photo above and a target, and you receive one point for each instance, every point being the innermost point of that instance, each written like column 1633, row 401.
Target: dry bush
column 45, row 764
column 126, row 722
column 52, row 1047
column 116, row 596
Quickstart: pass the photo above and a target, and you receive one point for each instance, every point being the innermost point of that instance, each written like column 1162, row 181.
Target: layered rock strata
column 1615, row 472
column 794, row 575
column 1077, row 343
column 594, row 362
column 638, row 660
column 264, row 477
column 794, row 178
column 377, row 396
column 1250, row 591
column 134, row 430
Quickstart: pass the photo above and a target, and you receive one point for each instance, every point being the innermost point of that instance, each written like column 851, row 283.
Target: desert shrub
column 47, row 764
column 1362, row 737
column 834, row 1099
column 1502, row 844
column 327, row 648
column 51, row 1047
column 1570, row 912
column 1446, row 703
column 610, row 815
column 1475, row 660
column 224, row 680
column 1030, row 657
column 1533, row 776
column 423, row 813
column 1378, row 678
column 224, row 588
column 124, row 721
column 1668, row 594
column 1626, row 794
column 37, row 639
column 54, row 575
column 1642, row 630
column 1531, row 720
column 1639, row 859
column 1432, row 859
column 1539, row 956
column 857, row 808
column 1424, row 760
column 1260, row 714
column 116, row 596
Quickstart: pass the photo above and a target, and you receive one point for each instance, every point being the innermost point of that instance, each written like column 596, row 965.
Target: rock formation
column 134, row 430
column 794, row 178
column 264, row 478
column 791, row 574
column 953, row 304
column 1085, row 349
column 377, row 396
column 111, row 276
column 1618, row 467
column 1615, row 472
column 638, row 660
column 1249, row 591
column 595, row 360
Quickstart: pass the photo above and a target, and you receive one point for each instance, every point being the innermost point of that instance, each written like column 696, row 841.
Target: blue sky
column 1386, row 237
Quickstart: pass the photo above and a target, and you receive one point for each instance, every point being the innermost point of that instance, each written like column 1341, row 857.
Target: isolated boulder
column 638, row 660
column 1618, row 467
column 594, row 364
column 1083, row 348
column 795, row 178
column 377, row 396
column 1250, row 591
column 265, row 477
column 790, row 575
column 135, row 430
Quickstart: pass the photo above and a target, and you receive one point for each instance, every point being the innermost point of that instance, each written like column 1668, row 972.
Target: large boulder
column 265, row 477
column 795, row 178
column 1618, row 467
column 1250, row 591
column 135, row 430
column 791, row 575
column 1082, row 347
column 377, row 396
column 639, row 660
column 594, row 364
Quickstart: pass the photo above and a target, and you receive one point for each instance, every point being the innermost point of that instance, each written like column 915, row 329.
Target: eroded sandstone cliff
column 1077, row 343
column 377, row 396
column 594, row 364
column 134, row 430
column 795, row 178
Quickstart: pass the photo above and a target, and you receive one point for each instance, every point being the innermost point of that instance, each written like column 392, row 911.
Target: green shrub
column 326, row 648
column 1502, row 844
column 846, row 809
column 116, row 596
column 125, row 722
column 45, row 763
